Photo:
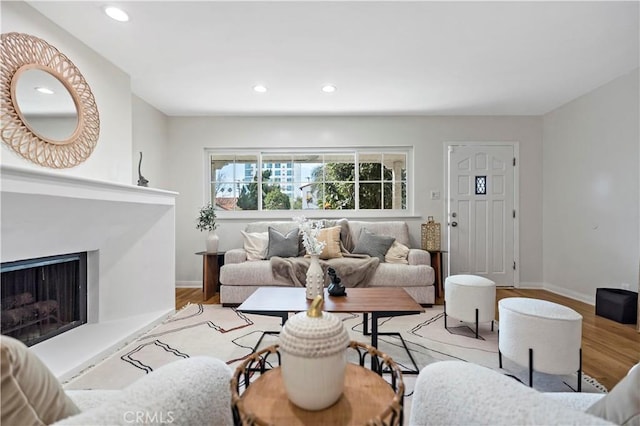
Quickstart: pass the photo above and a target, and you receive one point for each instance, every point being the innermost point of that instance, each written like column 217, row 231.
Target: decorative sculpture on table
column 335, row 288
column 141, row 180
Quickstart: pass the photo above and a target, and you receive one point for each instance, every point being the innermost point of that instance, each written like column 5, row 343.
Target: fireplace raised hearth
column 41, row 298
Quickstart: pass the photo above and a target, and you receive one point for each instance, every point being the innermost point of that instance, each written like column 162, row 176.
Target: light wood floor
column 609, row 348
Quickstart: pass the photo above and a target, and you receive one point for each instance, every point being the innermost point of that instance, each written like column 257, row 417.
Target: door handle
column 454, row 224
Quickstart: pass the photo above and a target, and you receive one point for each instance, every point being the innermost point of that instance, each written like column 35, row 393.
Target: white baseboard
column 590, row 300
column 557, row 290
column 188, row 284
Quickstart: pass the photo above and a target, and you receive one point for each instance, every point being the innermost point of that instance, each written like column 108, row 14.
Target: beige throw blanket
column 354, row 270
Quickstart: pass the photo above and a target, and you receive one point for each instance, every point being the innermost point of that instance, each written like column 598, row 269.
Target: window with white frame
column 356, row 179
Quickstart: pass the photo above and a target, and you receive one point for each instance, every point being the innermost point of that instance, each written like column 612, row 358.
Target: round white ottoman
column 470, row 298
column 542, row 335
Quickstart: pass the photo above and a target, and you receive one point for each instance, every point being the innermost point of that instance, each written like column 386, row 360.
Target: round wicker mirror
column 45, row 104
column 20, row 54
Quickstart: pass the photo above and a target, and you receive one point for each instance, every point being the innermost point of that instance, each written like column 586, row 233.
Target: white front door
column 481, row 211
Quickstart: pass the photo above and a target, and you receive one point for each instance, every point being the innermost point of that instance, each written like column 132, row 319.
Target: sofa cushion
column 346, row 241
column 282, row 226
column 372, row 244
column 331, row 239
column 283, row 245
column 399, row 275
column 397, row 253
column 396, row 228
column 622, row 405
column 30, row 394
column 256, row 244
column 258, row 272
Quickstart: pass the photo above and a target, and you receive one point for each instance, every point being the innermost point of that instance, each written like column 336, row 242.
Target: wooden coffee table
column 379, row 302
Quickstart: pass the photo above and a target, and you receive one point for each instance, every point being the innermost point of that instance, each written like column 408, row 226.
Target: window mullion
column 382, row 206
column 357, row 180
column 259, row 180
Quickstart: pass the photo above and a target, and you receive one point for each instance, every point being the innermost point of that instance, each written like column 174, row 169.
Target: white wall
column 150, row 136
column 190, row 136
column 591, row 207
column 111, row 159
column 129, row 232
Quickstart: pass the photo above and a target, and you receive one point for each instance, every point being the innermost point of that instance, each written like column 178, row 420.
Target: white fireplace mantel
column 31, row 181
column 129, row 235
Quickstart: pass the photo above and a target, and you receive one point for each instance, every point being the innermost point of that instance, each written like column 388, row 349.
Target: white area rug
column 230, row 335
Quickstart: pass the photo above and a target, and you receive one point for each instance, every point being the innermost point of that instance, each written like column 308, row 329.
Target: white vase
column 212, row 242
column 315, row 278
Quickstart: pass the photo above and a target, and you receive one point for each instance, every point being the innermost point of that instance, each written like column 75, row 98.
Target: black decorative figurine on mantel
column 335, row 288
column 141, row 180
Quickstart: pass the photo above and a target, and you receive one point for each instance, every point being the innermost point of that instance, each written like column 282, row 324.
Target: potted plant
column 206, row 221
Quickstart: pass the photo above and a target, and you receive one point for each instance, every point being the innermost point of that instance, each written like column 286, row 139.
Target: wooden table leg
column 436, row 264
column 209, row 275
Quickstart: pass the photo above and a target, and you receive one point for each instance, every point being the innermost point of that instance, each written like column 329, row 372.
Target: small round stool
column 470, row 298
column 542, row 335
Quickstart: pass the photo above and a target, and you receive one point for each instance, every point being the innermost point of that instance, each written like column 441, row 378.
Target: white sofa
column 462, row 393
column 239, row 277
column 193, row 391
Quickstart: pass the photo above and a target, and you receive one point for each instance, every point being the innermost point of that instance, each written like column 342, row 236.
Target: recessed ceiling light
column 44, row 90
column 328, row 88
column 259, row 88
column 116, row 13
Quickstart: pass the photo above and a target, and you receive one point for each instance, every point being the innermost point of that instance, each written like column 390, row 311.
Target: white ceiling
column 432, row 58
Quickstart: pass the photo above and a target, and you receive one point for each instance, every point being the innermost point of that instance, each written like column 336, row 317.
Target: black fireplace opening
column 41, row 298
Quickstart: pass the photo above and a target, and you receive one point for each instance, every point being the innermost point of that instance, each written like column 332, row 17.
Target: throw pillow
column 256, row 244
column 331, row 238
column 397, row 253
column 30, row 394
column 372, row 244
column 622, row 405
column 346, row 243
column 283, row 245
